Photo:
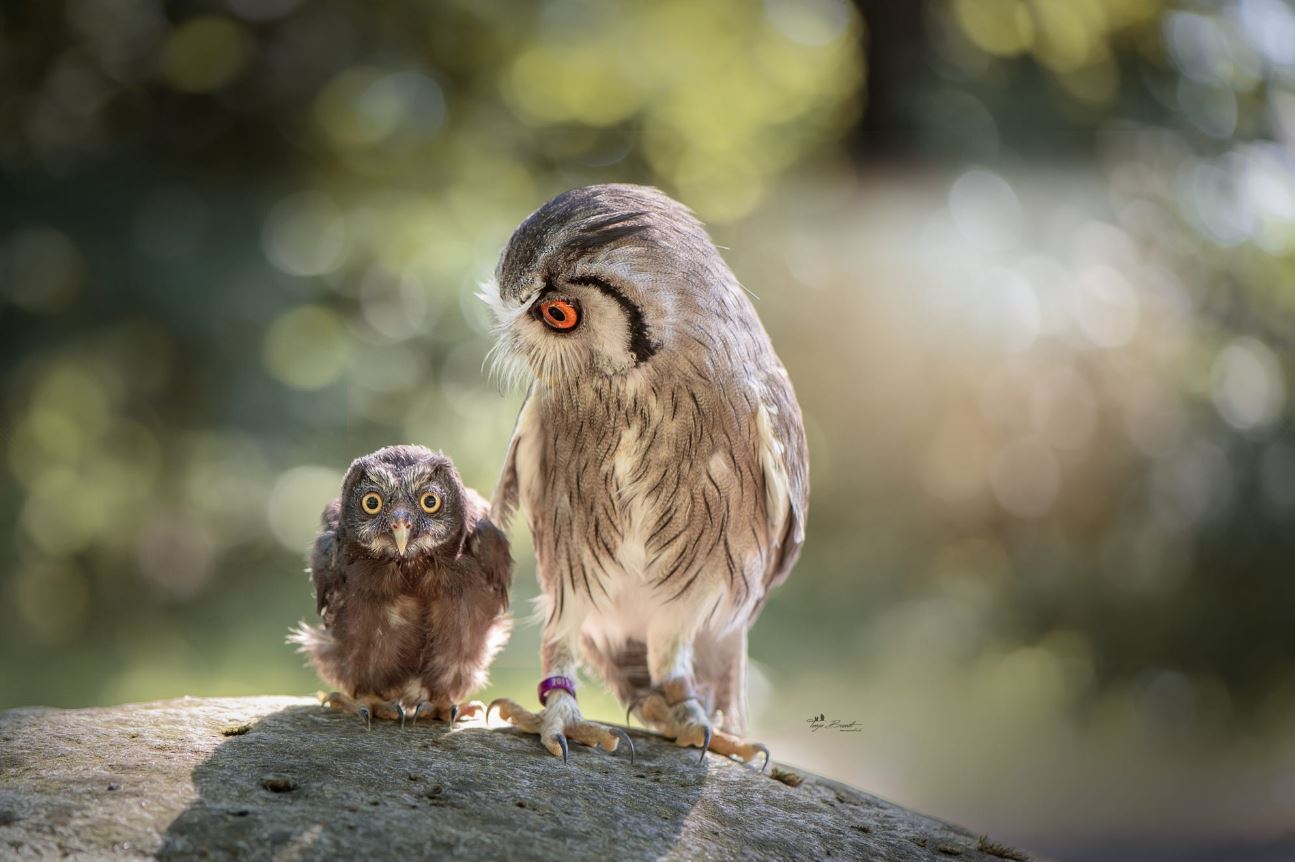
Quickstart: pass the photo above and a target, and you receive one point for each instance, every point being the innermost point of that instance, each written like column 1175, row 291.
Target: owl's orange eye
column 430, row 502
column 371, row 503
column 561, row 315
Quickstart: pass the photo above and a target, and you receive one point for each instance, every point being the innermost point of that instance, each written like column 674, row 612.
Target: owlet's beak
column 400, row 532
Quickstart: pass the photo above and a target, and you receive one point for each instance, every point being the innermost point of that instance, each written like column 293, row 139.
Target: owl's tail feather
column 320, row 647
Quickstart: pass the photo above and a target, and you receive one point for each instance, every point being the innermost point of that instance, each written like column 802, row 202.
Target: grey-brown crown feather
column 583, row 220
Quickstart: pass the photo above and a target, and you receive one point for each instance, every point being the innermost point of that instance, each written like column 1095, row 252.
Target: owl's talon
column 558, row 725
column 733, row 747
column 401, row 710
column 363, row 713
column 625, row 736
column 687, row 724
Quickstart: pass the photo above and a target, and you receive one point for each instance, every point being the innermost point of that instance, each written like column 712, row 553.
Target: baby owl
column 411, row 581
column 661, row 459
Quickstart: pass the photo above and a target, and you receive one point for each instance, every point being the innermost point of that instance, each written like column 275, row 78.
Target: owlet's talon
column 345, row 703
column 387, row 710
column 471, row 709
column 513, row 713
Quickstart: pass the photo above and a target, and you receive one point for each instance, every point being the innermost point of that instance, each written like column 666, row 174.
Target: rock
column 169, row 780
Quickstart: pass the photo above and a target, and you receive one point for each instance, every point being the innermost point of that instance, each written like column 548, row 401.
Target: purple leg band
column 555, row 683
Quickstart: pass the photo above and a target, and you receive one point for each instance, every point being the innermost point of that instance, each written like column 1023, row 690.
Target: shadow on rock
column 304, row 782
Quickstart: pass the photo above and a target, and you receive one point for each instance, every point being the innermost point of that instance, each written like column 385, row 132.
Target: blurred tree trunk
column 894, row 46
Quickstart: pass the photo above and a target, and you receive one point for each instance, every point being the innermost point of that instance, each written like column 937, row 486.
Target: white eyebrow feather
column 507, row 367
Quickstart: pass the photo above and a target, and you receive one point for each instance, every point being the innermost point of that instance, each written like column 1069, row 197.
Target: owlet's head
column 403, row 502
column 597, row 281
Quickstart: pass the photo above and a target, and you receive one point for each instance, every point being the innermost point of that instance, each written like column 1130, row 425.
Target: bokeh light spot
column 809, row 22
column 1247, row 384
column 64, row 513
column 1191, row 484
column 1000, row 27
column 307, row 347
column 53, row 599
column 41, row 270
column 205, row 54
column 305, row 234
column 1026, row 478
column 985, row 209
column 1106, row 307
column 296, row 500
column 178, row 552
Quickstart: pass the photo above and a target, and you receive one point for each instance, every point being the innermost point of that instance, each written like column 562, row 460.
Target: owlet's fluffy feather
column 411, row 582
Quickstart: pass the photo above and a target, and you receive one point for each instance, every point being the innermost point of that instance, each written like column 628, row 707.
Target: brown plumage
column 411, row 582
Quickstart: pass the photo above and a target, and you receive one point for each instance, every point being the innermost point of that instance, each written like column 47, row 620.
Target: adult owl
column 660, row 457
column 411, row 581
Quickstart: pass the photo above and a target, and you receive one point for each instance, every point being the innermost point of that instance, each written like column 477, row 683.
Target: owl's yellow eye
column 371, row 503
column 561, row 315
column 430, row 502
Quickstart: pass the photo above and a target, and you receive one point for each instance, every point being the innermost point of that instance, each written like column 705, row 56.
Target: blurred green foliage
column 1042, row 339
column 240, row 248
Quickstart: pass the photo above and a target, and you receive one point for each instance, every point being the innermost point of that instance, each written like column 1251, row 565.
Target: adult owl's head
column 403, row 502
column 598, row 279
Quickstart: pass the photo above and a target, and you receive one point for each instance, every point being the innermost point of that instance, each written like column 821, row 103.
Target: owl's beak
column 400, row 532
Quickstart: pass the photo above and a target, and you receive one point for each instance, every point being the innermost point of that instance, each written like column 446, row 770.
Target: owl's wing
column 508, row 489
column 326, row 564
column 784, row 457
column 488, row 545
